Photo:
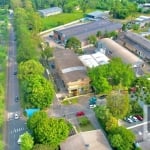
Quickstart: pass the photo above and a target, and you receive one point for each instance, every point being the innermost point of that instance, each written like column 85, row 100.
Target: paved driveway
column 69, row 111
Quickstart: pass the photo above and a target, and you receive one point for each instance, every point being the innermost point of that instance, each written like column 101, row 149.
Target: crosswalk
column 16, row 130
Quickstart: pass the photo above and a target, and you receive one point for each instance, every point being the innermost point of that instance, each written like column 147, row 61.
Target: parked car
column 16, row 98
column 140, row 118
column 80, row 113
column 16, row 116
column 127, row 119
column 102, row 96
column 15, row 72
column 134, row 119
column 93, row 106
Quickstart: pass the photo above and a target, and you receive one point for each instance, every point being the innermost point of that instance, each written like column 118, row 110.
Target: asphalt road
column 14, row 127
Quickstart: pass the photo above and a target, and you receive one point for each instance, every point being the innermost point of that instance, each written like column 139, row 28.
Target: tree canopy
column 26, row 141
column 122, row 138
column 28, row 68
column 38, row 92
column 73, row 43
column 48, row 131
column 118, row 104
column 105, row 77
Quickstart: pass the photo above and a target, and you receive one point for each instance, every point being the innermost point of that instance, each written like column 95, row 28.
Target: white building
column 50, row 11
column 94, row 60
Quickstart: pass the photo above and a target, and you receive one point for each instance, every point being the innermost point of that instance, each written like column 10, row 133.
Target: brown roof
column 70, row 66
column 91, row 140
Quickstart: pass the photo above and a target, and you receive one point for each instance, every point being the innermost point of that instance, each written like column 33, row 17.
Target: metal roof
column 82, row 32
column 93, row 60
column 96, row 14
column 49, row 11
column 138, row 39
column 121, row 52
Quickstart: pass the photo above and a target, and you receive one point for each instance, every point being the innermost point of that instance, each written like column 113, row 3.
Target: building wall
column 79, row 87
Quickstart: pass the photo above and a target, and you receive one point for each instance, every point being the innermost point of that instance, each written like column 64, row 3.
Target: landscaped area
column 84, row 124
column 70, row 101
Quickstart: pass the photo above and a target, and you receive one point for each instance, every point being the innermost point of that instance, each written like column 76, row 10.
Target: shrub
column 83, row 121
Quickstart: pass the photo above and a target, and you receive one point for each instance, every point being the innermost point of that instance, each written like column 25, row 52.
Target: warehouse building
column 113, row 49
column 137, row 44
column 83, row 31
column 72, row 72
column 50, row 11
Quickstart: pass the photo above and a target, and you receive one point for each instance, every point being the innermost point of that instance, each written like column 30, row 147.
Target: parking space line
column 138, row 125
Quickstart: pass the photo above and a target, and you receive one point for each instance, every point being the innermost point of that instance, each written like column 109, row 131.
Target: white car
column 19, row 139
column 16, row 116
column 129, row 120
column 92, row 106
column 134, row 119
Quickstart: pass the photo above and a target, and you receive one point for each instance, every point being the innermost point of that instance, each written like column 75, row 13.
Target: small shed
column 30, row 112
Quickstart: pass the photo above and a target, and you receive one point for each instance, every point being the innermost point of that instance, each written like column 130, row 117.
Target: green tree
column 38, row 91
column 111, row 123
column 103, row 114
column 99, row 34
column 116, row 141
column 122, row 138
column 47, row 53
column 26, row 141
column 28, row 68
column 86, row 4
column 73, row 43
column 118, row 104
column 42, row 147
column 48, row 131
column 92, row 39
column 105, row 77
column 136, row 108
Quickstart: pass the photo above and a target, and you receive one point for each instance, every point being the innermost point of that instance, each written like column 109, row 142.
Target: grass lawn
column 61, row 19
column 87, row 127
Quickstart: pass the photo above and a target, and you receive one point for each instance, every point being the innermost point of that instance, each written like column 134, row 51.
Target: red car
column 139, row 117
column 80, row 113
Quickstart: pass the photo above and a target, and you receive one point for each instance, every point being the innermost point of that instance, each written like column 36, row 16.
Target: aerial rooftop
column 117, row 50
column 70, row 66
column 93, row 60
column 89, row 140
column 50, row 11
column 82, row 32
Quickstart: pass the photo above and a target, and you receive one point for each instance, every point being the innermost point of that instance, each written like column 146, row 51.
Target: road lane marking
column 16, row 130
